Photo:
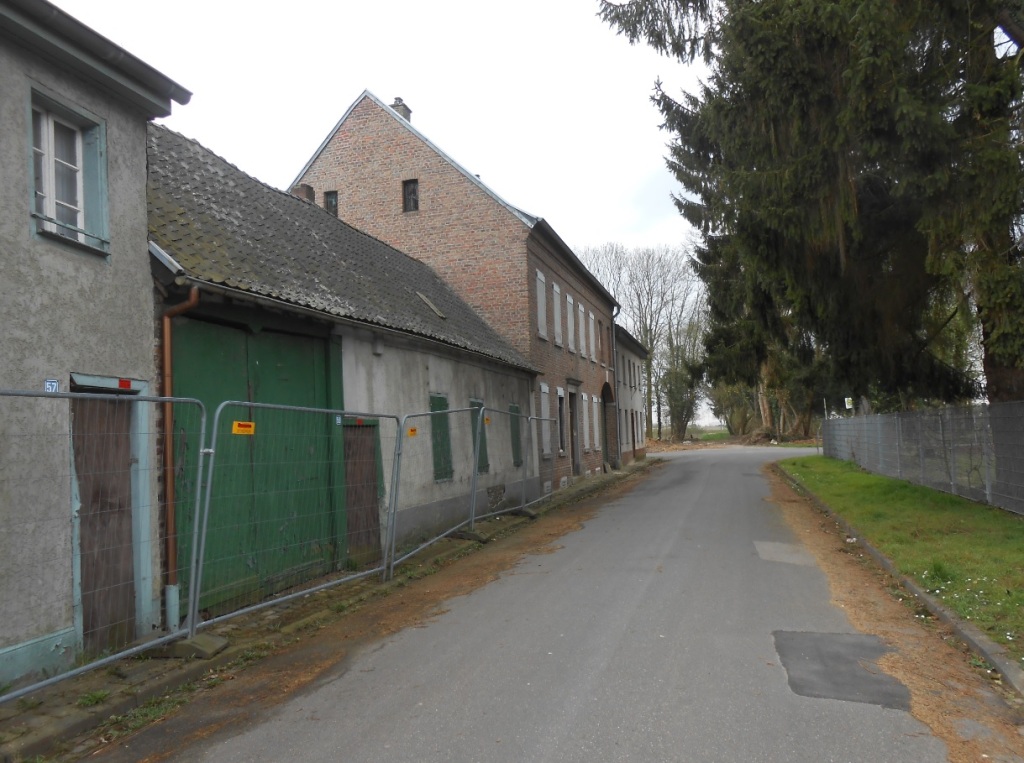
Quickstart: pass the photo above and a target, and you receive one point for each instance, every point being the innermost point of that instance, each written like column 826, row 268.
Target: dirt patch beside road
column 232, row 699
column 959, row 702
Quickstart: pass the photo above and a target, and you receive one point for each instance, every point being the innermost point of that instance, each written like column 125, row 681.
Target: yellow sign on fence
column 243, row 427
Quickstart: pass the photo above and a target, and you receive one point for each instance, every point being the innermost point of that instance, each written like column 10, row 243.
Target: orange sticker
column 487, row 420
column 413, row 431
column 243, row 427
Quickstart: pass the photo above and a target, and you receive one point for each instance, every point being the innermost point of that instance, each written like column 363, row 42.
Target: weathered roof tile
column 225, row 227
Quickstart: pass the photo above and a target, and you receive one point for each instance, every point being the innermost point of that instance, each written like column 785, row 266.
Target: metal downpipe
column 166, row 390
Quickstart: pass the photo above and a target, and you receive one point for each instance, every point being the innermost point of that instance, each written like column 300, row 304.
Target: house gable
column 511, row 267
column 470, row 236
column 232, row 234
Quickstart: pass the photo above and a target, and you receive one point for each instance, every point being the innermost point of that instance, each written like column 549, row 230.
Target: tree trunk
column 765, row 408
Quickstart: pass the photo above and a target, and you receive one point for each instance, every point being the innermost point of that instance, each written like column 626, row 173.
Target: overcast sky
column 541, row 99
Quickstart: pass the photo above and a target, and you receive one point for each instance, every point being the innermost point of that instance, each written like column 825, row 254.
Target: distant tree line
column 853, row 168
column 662, row 305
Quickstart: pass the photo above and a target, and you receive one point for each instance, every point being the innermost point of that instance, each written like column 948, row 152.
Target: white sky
column 541, row 99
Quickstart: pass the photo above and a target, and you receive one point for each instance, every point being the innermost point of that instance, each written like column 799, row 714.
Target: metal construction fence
column 976, row 452
column 93, row 532
column 128, row 522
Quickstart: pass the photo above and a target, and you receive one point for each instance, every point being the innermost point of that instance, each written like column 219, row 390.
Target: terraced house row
column 137, row 263
column 379, row 173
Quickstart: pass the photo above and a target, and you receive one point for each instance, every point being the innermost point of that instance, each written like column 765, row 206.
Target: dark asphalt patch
column 841, row 666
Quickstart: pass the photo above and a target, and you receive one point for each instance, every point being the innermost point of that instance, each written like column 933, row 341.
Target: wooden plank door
column 292, row 508
column 101, row 440
column 361, row 494
column 210, row 364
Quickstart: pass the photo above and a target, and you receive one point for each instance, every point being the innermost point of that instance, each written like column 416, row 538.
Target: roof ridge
column 233, row 231
column 529, row 220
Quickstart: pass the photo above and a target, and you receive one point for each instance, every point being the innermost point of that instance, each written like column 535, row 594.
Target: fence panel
column 457, row 466
column 97, row 501
column 296, row 500
column 973, row 451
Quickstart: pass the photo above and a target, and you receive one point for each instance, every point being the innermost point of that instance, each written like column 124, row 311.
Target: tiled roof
column 534, row 223
column 226, row 228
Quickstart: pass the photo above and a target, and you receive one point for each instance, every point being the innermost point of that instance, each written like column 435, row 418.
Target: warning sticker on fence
column 243, row 427
column 413, row 431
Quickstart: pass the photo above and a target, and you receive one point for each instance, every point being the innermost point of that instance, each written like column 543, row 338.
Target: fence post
column 920, row 445
column 899, row 445
column 396, row 474
column 986, row 458
column 526, row 461
column 952, row 451
column 879, row 441
column 193, row 574
column 198, row 577
column 475, row 465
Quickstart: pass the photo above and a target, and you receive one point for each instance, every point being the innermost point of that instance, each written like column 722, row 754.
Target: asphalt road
column 682, row 623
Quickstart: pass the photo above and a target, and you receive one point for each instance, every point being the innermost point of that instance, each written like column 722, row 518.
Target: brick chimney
column 403, row 111
column 304, row 192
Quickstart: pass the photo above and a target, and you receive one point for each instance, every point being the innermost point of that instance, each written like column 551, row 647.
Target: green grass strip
column 967, row 555
column 714, row 436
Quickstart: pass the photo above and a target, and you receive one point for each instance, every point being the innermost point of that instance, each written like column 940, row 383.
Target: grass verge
column 714, row 437
column 967, row 555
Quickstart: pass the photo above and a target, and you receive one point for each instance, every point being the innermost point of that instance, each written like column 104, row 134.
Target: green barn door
column 293, row 501
column 210, row 363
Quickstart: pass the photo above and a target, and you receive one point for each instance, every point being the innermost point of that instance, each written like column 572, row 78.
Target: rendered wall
column 63, row 310
column 399, row 380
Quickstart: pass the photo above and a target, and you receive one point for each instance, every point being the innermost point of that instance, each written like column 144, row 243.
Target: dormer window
column 410, row 195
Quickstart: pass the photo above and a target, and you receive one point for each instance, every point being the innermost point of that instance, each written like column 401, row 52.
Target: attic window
column 410, row 195
column 431, row 305
column 331, row 202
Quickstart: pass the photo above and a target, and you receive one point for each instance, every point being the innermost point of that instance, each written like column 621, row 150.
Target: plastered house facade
column 76, row 301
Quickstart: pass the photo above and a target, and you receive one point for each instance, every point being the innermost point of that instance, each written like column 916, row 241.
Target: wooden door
column 101, row 440
column 361, row 492
column 574, row 440
column 292, row 503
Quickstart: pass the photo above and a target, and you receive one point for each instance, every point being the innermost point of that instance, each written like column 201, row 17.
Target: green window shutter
column 440, row 437
column 482, row 463
column 517, row 444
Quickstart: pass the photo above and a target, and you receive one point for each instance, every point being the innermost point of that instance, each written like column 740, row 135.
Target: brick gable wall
column 471, row 241
column 483, row 250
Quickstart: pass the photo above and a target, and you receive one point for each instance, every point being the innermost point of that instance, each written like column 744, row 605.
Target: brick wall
column 481, row 248
column 469, row 239
column 564, row 365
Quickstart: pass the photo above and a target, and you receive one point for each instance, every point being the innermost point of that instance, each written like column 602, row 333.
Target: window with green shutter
column 441, row 437
column 481, row 464
column 517, row 443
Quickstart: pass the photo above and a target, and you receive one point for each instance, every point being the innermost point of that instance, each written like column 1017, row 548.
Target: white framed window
column 542, row 307
column 69, row 194
column 586, row 420
column 545, row 425
column 593, row 344
column 596, row 402
column 570, row 313
column 583, row 331
column 556, row 303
